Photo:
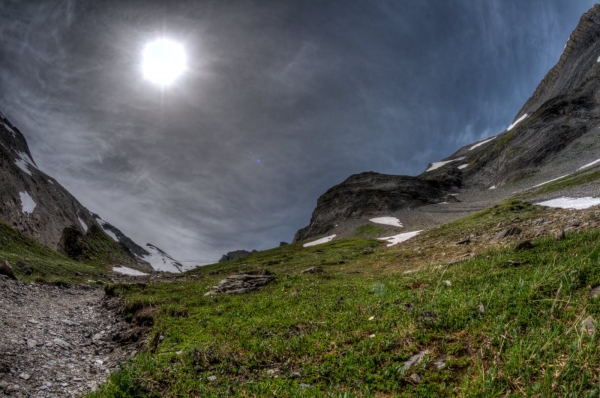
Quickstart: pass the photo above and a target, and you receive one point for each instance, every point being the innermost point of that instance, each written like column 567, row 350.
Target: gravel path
column 58, row 341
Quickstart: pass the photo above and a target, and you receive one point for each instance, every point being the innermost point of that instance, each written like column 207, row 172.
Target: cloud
column 316, row 91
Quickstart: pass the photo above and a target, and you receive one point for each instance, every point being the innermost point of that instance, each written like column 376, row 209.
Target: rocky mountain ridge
column 556, row 126
column 36, row 204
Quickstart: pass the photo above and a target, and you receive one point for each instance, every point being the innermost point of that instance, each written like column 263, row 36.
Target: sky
column 281, row 100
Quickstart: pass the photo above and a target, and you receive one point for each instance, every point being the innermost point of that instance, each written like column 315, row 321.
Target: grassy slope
column 47, row 264
column 348, row 332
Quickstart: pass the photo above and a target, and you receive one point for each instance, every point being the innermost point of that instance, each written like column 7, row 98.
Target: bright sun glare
column 164, row 61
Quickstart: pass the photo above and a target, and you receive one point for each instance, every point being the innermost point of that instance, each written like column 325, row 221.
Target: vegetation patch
column 368, row 230
column 501, row 323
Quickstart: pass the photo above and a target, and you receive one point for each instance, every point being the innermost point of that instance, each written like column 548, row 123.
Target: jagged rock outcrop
column 563, row 111
column 373, row 193
column 235, row 255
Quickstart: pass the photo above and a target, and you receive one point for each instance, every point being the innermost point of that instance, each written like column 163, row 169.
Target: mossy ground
column 504, row 330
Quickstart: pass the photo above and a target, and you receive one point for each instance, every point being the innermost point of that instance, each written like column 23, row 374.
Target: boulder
column 240, row 284
column 25, row 268
column 6, row 269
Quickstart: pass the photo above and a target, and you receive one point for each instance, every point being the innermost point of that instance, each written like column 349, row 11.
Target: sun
column 163, row 61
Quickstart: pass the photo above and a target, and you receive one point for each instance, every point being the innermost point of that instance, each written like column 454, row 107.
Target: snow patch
column 107, row 231
column 27, row 203
column 23, row 161
column 160, row 260
column 437, row 165
column 555, row 179
column 571, row 203
column 463, row 166
column 320, row 241
column 83, row 224
column 9, row 129
column 387, row 221
column 519, row 120
column 589, row 165
column 482, row 142
column 50, row 181
column 492, row 187
column 394, row 240
column 128, row 271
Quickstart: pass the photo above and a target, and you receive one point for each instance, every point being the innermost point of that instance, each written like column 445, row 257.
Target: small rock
column 61, row 343
column 464, row 241
column 512, row 263
column 78, row 273
column 6, row 269
column 295, row 375
column 31, row 343
column 440, row 363
column 595, row 291
column 589, row 325
column 295, row 293
column 559, row 235
column 481, row 308
column 415, row 378
column 510, row 231
column 33, row 321
column 369, row 250
column 524, row 245
column 428, row 317
column 371, row 318
column 25, row 376
column 283, row 244
column 415, row 359
column 448, row 283
column 211, row 378
column 408, row 306
column 273, row 372
column 313, row 270
column 25, row 268
column 304, row 385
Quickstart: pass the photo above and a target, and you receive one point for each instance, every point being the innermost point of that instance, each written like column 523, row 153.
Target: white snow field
column 394, row 240
column 437, row 165
column 128, row 271
column 24, row 161
column 589, row 165
column 571, row 203
column 161, row 261
column 519, row 120
column 463, row 166
column 482, row 143
column 319, row 241
column 387, row 221
column 27, row 203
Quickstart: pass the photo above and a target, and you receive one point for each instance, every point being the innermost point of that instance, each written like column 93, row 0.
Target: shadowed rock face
column 234, row 255
column 373, row 193
column 563, row 109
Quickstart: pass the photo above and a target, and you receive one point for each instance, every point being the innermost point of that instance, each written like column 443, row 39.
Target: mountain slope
column 555, row 133
column 38, row 206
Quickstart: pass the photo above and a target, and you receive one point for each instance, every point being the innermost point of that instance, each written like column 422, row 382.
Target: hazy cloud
column 282, row 100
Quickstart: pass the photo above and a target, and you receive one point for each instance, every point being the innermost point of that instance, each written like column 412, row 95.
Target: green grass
column 573, row 180
column 47, row 264
column 348, row 332
column 368, row 230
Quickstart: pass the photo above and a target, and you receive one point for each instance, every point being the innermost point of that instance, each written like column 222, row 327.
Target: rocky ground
column 59, row 341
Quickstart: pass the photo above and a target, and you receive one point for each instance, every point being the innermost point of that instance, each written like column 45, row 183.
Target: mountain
column 555, row 133
column 37, row 205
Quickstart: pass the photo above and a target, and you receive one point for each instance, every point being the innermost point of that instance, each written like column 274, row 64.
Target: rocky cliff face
column 37, row 205
column 565, row 108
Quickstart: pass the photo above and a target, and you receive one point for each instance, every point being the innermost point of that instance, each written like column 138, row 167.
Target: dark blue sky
column 316, row 90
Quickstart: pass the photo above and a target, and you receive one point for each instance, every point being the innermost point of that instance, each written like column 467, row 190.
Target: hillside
column 555, row 133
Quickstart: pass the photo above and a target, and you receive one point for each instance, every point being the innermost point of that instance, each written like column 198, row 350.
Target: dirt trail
column 59, row 341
